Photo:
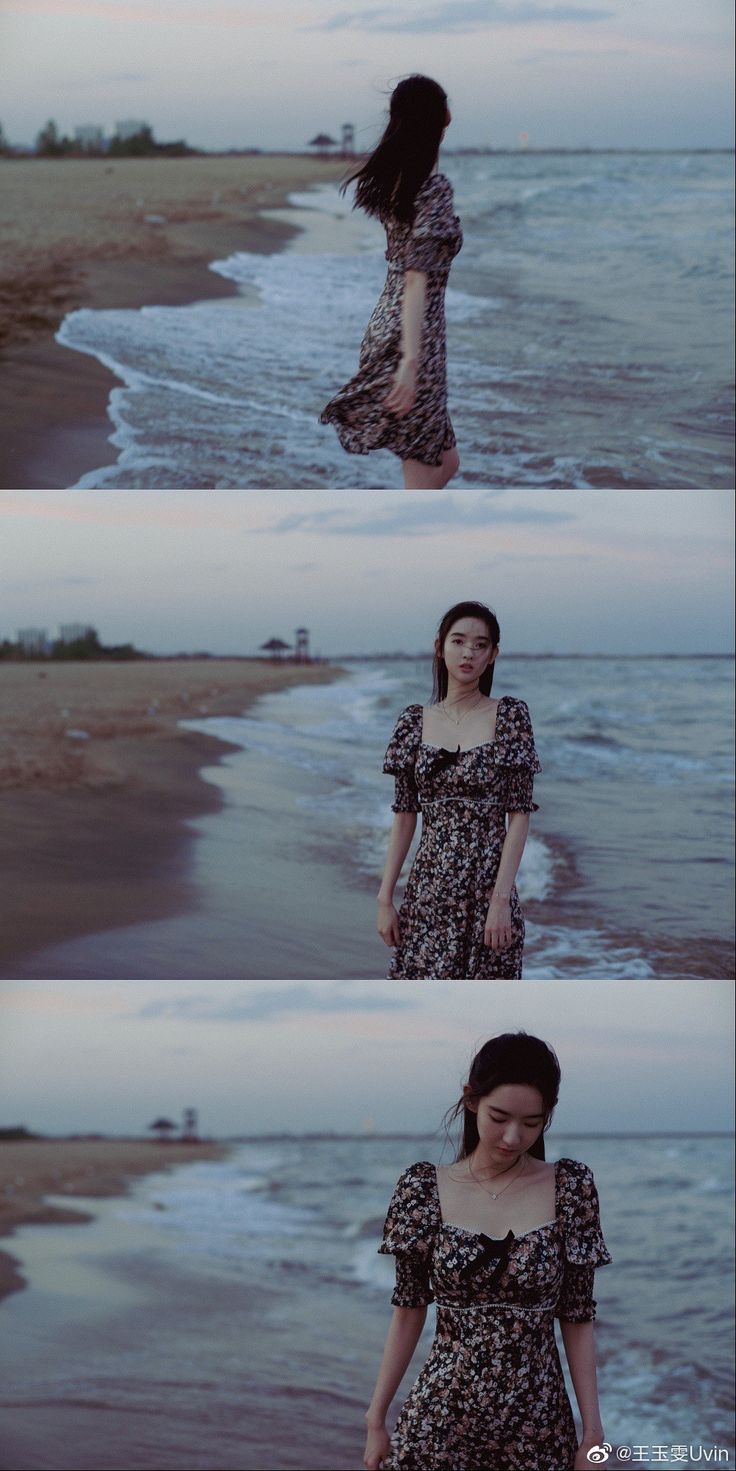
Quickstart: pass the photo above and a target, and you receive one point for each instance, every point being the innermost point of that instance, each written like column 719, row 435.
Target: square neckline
column 481, row 744
column 517, row 1236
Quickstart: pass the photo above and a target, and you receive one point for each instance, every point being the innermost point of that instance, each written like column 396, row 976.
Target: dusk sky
column 224, row 73
column 566, row 571
column 254, row 1057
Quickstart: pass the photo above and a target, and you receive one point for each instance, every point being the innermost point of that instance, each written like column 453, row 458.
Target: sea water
column 589, row 338
column 257, row 1306
column 627, row 872
column 633, row 837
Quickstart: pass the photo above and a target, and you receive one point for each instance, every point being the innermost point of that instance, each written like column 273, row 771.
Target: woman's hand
column 377, row 1447
column 498, row 932
column 404, row 390
column 388, row 923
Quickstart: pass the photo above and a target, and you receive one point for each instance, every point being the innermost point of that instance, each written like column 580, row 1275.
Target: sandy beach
column 34, row 1168
column 93, row 829
column 112, row 233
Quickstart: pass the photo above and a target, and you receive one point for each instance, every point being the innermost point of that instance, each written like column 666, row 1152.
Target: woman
column 461, row 916
column 398, row 398
column 506, row 1243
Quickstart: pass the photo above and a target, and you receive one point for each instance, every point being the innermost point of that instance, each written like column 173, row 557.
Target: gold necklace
column 445, row 711
column 494, row 1194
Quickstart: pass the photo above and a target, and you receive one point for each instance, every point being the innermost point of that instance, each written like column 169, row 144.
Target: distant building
column 90, row 137
column 70, row 632
column 33, row 640
column 190, row 1126
column 348, row 138
column 130, row 127
column 301, row 645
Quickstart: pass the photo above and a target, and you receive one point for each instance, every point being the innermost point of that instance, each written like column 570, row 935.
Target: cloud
column 461, row 16
column 246, row 1005
column 410, row 517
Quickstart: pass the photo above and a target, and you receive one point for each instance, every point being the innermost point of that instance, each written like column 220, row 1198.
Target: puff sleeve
column 400, row 758
column 516, row 753
column 585, row 1249
column 434, row 226
column 409, row 1234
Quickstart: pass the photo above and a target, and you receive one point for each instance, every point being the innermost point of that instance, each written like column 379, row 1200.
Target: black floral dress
column 491, row 1396
column 463, row 797
column 357, row 411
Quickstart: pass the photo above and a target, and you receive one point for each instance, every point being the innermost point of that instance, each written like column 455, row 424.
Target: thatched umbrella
column 322, row 141
column 276, row 648
column 164, row 1128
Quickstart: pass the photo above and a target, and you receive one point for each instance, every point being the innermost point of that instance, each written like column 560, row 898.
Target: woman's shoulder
column 436, row 190
column 579, row 1214
column 513, row 706
column 416, row 1189
column 413, row 1218
column 409, row 719
column 572, row 1172
column 514, row 733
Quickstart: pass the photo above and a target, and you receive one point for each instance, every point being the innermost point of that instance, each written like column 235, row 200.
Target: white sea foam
column 560, row 374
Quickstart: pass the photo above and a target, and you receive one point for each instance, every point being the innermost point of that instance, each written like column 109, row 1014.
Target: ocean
column 232, row 1314
column 634, row 833
column 590, row 338
column 627, row 874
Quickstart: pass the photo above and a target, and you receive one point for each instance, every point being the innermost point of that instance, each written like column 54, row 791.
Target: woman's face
column 510, row 1118
column 468, row 650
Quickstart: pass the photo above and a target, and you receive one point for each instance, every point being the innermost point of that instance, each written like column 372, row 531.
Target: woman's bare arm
column 579, row 1342
column 498, row 931
column 402, row 1338
column 413, row 301
column 399, row 843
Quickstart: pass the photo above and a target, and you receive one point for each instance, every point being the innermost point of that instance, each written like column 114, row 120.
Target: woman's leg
column 418, row 476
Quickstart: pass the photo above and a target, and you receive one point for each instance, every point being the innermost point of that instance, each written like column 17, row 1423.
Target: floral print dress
column 491, row 1396
column 463, row 797
column 357, row 411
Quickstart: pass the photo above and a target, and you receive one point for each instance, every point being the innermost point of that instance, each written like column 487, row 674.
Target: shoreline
column 75, row 1167
column 54, row 425
column 137, row 776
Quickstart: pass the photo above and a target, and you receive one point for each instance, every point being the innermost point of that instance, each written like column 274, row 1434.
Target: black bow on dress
column 491, row 1250
column 442, row 758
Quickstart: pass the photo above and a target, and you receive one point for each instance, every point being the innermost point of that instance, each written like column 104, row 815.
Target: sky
column 365, row 571
column 273, row 73
column 258, row 1057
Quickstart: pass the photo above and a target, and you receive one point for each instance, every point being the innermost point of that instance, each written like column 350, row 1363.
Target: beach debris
column 155, row 219
column 77, row 735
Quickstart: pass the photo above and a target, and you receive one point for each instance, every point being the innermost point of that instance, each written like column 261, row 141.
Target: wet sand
column 75, row 234
column 34, row 1168
column 95, row 833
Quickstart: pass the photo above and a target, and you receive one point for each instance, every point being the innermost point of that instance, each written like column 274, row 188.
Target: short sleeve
column 408, row 1235
column 579, row 1214
column 400, row 758
column 517, row 754
column 434, row 224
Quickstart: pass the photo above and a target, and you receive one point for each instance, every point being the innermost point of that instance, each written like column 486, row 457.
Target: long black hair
column 512, row 1057
column 439, row 667
column 393, row 174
